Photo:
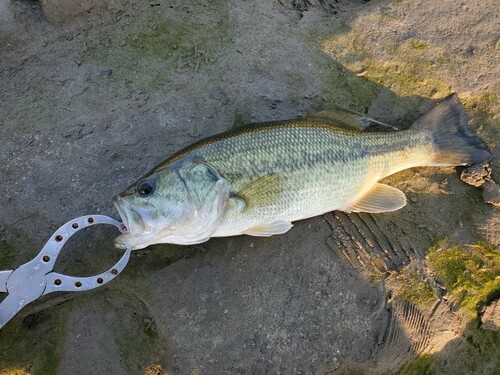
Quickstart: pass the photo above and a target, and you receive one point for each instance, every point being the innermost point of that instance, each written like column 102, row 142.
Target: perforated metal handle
column 35, row 278
column 56, row 282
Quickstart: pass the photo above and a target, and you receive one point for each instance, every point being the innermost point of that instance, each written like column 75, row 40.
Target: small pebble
column 476, row 175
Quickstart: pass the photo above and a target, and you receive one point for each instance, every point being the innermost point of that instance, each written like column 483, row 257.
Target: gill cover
column 208, row 193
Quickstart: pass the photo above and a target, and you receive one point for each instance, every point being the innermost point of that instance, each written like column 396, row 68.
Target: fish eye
column 145, row 188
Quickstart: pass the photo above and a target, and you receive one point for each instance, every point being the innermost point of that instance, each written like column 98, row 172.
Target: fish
column 258, row 179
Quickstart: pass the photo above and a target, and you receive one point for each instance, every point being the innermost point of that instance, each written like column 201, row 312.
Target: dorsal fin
column 348, row 120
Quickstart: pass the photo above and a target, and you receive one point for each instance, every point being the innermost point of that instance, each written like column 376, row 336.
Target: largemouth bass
column 257, row 180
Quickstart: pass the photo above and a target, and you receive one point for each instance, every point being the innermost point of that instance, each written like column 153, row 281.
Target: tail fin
column 455, row 143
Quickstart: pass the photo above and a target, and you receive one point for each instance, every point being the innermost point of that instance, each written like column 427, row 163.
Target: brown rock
column 491, row 317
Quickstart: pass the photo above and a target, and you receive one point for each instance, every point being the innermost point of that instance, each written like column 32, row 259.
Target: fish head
column 179, row 205
column 152, row 209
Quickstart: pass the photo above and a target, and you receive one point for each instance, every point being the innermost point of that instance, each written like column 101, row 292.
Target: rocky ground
column 95, row 93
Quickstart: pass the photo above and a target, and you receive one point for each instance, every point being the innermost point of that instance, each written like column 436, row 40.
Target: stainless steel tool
column 36, row 278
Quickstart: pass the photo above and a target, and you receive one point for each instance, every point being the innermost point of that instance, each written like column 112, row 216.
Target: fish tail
column 454, row 142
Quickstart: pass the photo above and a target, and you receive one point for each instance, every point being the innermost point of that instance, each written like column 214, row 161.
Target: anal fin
column 267, row 230
column 380, row 198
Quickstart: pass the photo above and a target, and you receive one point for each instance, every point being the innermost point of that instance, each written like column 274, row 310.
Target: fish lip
column 120, row 206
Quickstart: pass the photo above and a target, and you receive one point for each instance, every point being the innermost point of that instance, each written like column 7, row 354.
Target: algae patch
column 421, row 365
column 418, row 45
column 411, row 284
column 471, row 275
column 411, row 70
column 146, row 55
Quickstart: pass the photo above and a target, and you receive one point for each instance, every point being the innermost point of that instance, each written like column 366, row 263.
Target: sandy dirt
column 95, row 93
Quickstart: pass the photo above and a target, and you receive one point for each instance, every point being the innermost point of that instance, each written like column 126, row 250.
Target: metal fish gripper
column 36, row 278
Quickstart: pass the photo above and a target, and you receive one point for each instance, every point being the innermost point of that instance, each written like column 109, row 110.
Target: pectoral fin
column 262, row 192
column 348, row 120
column 267, row 230
column 381, row 198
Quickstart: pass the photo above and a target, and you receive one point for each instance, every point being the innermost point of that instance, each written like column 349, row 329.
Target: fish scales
column 320, row 165
column 258, row 179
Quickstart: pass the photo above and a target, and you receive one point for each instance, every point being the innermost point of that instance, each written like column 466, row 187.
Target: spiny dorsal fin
column 262, row 192
column 267, row 230
column 348, row 120
column 381, row 198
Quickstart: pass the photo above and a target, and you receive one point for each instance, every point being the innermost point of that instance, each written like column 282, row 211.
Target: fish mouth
column 131, row 219
column 139, row 223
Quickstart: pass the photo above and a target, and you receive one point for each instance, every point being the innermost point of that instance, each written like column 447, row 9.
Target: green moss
column 343, row 89
column 172, row 42
column 486, row 106
column 418, row 45
column 376, row 276
column 414, row 287
column 421, row 365
column 407, row 72
column 409, row 78
column 160, row 42
column 472, row 275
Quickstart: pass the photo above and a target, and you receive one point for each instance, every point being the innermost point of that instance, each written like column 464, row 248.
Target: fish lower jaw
column 126, row 241
column 138, row 241
column 121, row 242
